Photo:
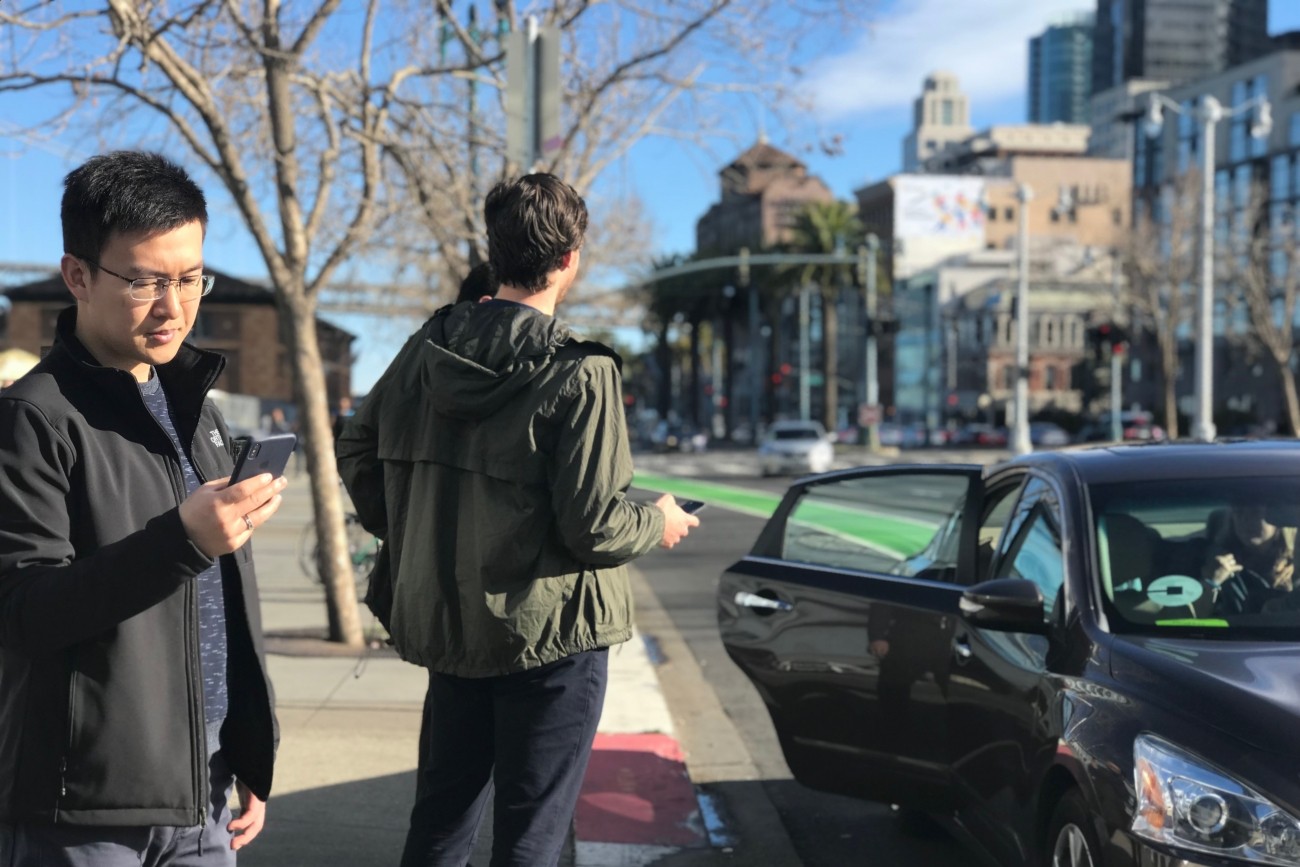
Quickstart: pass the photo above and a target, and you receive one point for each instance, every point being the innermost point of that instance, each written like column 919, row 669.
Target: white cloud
column 985, row 43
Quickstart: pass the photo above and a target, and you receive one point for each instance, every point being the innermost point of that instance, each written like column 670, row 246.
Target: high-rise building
column 1175, row 40
column 941, row 116
column 1060, row 72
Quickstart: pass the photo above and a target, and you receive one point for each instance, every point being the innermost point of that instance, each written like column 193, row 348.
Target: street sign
column 868, row 414
column 532, row 97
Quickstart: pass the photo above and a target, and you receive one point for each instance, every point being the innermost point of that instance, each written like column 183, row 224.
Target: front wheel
column 1071, row 839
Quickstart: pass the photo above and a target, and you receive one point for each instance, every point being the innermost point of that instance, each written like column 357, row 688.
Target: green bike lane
column 888, row 534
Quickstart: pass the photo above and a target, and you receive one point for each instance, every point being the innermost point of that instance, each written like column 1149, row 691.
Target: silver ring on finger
column 248, row 522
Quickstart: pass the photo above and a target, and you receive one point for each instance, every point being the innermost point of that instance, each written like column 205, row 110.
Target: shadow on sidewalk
column 357, row 824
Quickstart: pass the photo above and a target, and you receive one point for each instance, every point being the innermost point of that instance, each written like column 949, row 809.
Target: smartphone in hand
column 264, row 454
column 690, row 507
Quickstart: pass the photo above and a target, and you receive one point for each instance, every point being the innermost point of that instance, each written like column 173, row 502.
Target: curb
column 637, row 804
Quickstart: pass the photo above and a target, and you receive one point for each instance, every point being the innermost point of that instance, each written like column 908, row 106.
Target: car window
column 1213, row 555
column 1036, row 555
column 900, row 524
column 998, row 504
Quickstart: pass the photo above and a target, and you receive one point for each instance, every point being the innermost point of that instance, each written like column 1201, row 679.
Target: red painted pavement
column 637, row 791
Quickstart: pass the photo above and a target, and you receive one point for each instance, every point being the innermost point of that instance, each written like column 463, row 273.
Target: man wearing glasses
column 133, row 693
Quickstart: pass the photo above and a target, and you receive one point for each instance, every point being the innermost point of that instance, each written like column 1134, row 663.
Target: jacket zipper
column 63, row 760
column 198, row 725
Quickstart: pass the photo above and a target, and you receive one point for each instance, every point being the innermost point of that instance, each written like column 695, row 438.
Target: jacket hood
column 1245, row 689
column 481, row 355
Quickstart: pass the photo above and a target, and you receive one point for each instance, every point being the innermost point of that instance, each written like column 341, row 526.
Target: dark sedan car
column 1079, row 658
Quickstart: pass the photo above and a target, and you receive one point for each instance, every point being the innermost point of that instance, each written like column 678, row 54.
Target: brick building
column 238, row 319
column 763, row 190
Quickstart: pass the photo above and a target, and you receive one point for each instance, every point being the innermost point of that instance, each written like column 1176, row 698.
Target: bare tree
column 335, row 127
column 1260, row 269
column 1162, row 263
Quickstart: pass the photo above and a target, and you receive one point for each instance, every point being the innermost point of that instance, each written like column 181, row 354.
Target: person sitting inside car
column 1251, row 561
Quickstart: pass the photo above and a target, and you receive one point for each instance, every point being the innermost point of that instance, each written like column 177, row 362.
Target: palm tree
column 827, row 227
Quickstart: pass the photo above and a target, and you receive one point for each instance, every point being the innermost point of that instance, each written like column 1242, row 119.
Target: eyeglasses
column 189, row 287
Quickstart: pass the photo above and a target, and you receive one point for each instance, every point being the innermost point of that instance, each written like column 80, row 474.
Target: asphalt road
column 825, row 830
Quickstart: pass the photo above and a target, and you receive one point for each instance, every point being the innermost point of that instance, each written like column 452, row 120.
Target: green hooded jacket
column 492, row 458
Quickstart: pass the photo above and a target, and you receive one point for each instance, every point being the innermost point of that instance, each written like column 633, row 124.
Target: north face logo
column 215, row 436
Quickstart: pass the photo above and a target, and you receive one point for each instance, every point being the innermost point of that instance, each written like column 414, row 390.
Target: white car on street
column 795, row 447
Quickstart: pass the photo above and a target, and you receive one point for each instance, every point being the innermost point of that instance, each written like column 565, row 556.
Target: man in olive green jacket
column 492, row 458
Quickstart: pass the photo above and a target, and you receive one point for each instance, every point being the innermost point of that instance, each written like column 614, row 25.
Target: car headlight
column 1182, row 801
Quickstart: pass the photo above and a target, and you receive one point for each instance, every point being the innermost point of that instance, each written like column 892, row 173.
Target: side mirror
column 1005, row 605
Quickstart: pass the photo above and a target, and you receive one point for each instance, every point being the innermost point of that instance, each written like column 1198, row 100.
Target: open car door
column 842, row 617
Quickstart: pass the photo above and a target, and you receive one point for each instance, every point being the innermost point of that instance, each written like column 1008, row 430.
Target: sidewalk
column 349, row 723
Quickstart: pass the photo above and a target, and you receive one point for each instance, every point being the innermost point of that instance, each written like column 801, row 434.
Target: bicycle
column 363, row 549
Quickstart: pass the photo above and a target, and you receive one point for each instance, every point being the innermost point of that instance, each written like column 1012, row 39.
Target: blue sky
column 861, row 85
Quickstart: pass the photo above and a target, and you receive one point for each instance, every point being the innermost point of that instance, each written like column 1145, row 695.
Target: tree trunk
column 1169, row 374
column 664, row 357
column 696, row 388
column 830, row 359
column 728, row 371
column 1289, row 395
column 333, row 560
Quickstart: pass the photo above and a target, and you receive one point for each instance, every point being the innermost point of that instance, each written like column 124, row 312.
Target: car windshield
column 799, row 433
column 1210, row 556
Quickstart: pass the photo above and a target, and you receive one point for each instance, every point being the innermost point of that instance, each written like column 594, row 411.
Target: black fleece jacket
column 101, row 704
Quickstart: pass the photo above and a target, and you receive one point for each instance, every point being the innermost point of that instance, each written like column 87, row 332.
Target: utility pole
column 805, row 351
column 1020, row 443
column 867, row 267
column 755, row 343
column 1116, row 358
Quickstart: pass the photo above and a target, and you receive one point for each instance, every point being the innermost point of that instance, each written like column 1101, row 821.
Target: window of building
column 1050, row 378
column 1280, row 176
column 993, row 215
column 947, row 112
column 1009, row 214
column 1117, row 216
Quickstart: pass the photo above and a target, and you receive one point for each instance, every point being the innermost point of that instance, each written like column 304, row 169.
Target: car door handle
column 962, row 649
column 746, row 599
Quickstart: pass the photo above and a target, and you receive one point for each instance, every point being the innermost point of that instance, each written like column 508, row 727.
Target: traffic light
column 1106, row 338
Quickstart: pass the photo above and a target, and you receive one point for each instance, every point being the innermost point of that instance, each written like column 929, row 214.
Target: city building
column 1175, row 40
column 238, row 319
column 1112, row 114
column 987, row 151
column 956, row 348
column 940, row 117
column 762, row 192
column 1249, row 172
column 1060, row 72
column 1083, row 200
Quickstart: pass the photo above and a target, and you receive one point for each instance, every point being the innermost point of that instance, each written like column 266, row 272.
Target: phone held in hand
column 690, row 507
column 264, row 454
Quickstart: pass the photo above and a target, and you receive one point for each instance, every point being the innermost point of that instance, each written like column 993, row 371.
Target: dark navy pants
column 529, row 736
column 206, row 845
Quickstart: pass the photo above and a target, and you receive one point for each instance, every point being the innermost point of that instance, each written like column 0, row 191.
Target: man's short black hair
column 126, row 191
column 532, row 222
column 478, row 282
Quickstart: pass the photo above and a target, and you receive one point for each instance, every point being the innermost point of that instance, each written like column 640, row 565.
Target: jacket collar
column 186, row 378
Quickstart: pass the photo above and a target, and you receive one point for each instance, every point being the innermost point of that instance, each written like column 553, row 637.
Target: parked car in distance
column 795, row 447
column 1137, row 426
column 1054, row 655
column 979, row 434
column 670, row 437
column 1047, row 434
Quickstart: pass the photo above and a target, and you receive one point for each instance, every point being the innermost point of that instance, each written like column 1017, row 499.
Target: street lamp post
column 1020, row 443
column 1211, row 111
column 872, row 362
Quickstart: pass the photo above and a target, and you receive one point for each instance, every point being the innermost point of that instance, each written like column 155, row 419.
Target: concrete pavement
column 350, row 723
